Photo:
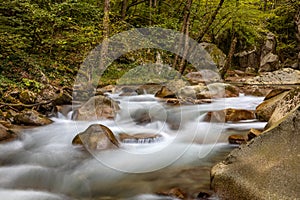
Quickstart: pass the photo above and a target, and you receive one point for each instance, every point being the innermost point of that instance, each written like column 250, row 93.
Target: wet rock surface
column 96, row 137
column 265, row 168
column 229, row 114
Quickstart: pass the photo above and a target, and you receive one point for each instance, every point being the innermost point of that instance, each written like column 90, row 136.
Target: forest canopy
column 52, row 37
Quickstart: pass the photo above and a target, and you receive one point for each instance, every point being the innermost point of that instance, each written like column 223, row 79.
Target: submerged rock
column 140, row 138
column 97, row 107
column 229, row 114
column 265, row 168
column 96, row 137
column 31, row 118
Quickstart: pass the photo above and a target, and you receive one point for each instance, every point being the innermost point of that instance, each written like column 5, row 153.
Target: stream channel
column 44, row 164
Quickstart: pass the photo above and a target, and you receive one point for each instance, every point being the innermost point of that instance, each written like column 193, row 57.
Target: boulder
column 203, row 76
column 215, row 53
column 171, row 89
column 247, row 59
column 284, row 106
column 229, row 114
column 285, row 76
column 269, row 45
column 6, row 134
column 140, row 138
column 31, row 118
column 269, row 63
column 148, row 89
column 265, row 110
column 97, row 107
column 275, row 92
column 96, row 137
column 213, row 90
column 237, row 139
column 254, row 90
column 265, row 168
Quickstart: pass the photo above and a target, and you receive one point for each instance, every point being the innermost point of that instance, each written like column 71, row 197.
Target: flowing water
column 43, row 164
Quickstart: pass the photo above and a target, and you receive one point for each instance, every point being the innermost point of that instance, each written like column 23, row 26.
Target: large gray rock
column 97, row 107
column 269, row 62
column 265, row 168
column 248, row 59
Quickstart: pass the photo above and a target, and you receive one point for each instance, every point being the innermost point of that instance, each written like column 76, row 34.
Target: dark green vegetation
column 45, row 41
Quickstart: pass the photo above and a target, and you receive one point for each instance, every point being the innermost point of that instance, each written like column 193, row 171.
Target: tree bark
column 104, row 47
column 297, row 24
column 229, row 58
column 124, row 9
column 185, row 31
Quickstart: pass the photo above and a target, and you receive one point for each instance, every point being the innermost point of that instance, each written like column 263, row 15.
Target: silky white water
column 43, row 164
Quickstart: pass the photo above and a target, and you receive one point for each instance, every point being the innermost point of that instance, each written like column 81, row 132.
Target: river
column 44, row 164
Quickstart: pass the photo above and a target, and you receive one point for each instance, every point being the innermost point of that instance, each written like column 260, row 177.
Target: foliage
column 52, row 37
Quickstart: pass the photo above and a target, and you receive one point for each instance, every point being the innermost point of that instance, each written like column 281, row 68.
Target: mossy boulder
column 27, row 97
column 31, row 118
column 215, row 53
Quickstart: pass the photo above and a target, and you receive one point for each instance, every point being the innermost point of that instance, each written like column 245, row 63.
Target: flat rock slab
column 265, row 168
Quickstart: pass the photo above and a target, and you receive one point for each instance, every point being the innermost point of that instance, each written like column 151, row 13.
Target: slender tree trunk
column 185, row 31
column 124, row 9
column 229, row 57
column 182, row 64
column 210, row 22
column 106, row 22
column 297, row 24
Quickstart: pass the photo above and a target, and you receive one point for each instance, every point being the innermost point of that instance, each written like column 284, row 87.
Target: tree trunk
column 297, row 24
column 124, row 9
column 210, row 22
column 229, row 57
column 185, row 31
column 104, row 47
